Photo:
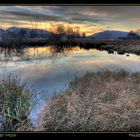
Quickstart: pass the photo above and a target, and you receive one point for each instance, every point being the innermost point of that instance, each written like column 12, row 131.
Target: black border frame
column 71, row 135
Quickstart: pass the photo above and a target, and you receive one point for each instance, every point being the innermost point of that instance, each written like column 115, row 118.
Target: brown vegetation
column 126, row 46
column 103, row 101
column 120, row 46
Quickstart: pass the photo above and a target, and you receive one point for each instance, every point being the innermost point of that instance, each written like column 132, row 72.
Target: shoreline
column 112, row 46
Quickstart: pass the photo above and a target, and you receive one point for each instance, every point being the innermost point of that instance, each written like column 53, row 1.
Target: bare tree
column 77, row 31
column 83, row 34
column 69, row 30
column 60, row 29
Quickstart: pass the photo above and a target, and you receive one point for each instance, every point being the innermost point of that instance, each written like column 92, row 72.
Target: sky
column 90, row 19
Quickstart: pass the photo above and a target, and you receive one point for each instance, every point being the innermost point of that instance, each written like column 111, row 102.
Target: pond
column 49, row 69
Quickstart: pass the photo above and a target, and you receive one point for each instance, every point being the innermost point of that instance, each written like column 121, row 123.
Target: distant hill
column 1, row 32
column 28, row 32
column 109, row 35
column 15, row 32
column 24, row 32
column 132, row 35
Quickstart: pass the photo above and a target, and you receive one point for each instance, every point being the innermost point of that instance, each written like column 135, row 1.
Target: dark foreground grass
column 15, row 105
column 103, row 101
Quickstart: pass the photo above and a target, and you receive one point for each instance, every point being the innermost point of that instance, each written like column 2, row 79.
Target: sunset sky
column 90, row 19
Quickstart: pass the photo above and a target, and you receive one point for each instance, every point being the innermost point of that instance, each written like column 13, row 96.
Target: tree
column 60, row 29
column 69, row 30
column 83, row 34
column 77, row 31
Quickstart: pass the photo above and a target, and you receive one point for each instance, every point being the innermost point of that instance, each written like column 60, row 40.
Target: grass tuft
column 15, row 104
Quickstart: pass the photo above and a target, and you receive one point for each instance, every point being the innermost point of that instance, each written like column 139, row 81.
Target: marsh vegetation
column 102, row 101
column 16, row 102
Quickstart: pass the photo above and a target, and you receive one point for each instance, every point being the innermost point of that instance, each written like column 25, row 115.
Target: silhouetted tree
column 83, row 34
column 77, row 31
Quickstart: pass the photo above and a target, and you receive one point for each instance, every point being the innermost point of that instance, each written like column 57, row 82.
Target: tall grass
column 15, row 104
column 103, row 101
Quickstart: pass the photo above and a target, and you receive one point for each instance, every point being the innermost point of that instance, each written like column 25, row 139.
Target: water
column 49, row 70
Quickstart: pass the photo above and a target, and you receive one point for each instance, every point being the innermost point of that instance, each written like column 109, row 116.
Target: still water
column 49, row 70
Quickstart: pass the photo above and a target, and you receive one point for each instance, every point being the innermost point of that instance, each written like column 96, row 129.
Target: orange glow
column 51, row 26
column 38, row 51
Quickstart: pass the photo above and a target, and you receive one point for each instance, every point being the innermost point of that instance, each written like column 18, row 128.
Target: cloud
column 108, row 17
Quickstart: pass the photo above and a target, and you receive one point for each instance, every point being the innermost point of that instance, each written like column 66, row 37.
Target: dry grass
column 107, row 101
column 126, row 46
column 103, row 101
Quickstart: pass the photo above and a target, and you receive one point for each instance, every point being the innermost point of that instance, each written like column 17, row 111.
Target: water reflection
column 6, row 53
column 28, row 53
column 49, row 69
column 51, row 66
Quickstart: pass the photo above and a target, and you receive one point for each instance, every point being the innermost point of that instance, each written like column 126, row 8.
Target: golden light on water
column 39, row 51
